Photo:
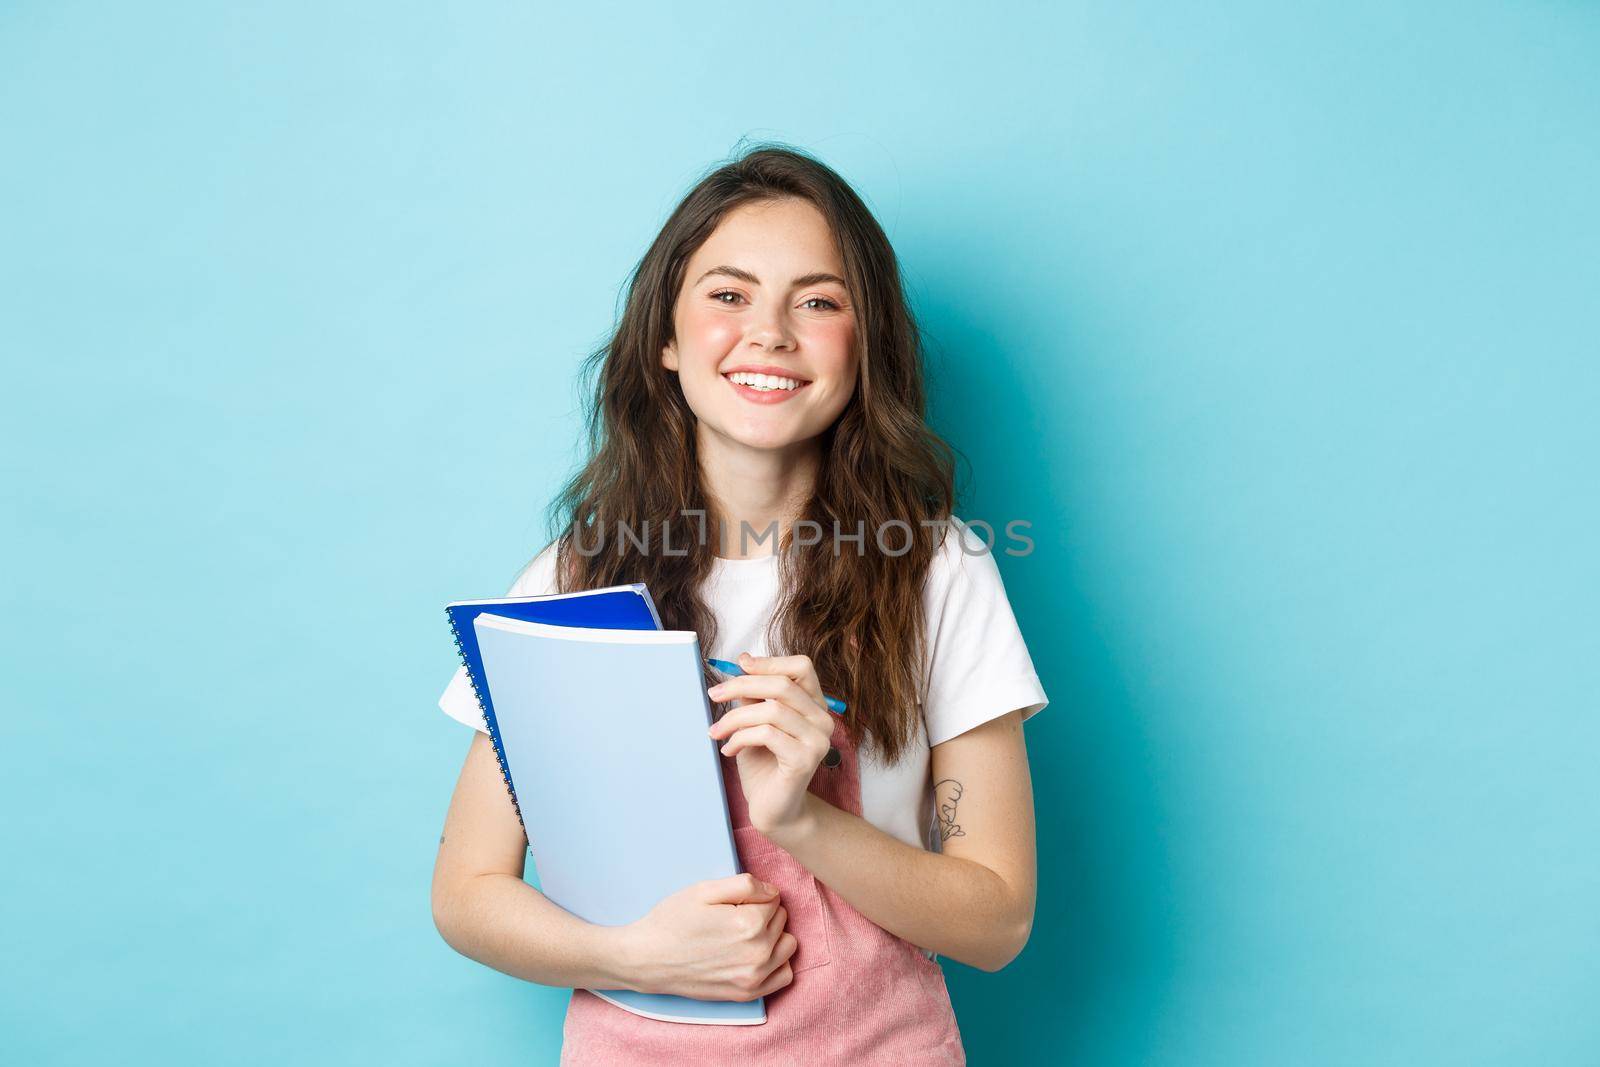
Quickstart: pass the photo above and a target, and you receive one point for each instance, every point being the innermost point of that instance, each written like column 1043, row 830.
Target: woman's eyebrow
column 814, row 278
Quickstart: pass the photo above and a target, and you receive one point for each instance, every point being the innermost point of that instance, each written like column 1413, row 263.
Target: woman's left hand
column 778, row 739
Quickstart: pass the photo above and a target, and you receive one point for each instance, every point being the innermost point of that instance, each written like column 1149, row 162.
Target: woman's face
column 765, row 295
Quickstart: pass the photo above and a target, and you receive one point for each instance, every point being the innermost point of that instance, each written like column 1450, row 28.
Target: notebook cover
column 622, row 607
column 624, row 802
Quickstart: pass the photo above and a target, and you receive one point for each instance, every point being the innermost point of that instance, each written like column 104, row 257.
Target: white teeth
column 763, row 381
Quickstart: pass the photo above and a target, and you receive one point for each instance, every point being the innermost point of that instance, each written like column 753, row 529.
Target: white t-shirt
column 977, row 666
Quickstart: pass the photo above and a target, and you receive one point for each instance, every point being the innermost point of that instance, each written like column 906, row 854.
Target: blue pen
column 835, row 706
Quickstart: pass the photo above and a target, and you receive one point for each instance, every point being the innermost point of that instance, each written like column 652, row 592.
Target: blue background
column 1277, row 321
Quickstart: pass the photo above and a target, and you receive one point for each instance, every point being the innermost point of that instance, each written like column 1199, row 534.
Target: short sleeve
column 978, row 665
column 458, row 700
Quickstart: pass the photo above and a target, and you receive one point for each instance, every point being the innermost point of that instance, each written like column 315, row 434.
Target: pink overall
column 860, row 994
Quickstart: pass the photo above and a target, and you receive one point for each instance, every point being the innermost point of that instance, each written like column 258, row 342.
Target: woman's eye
column 719, row 294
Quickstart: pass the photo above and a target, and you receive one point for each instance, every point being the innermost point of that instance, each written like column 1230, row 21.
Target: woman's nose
column 771, row 331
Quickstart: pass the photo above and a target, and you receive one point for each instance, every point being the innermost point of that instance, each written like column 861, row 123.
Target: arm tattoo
column 946, row 793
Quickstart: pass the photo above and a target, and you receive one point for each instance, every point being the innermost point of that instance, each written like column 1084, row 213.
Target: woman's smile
column 764, row 384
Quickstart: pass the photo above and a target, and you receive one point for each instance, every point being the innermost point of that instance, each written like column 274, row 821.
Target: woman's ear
column 669, row 356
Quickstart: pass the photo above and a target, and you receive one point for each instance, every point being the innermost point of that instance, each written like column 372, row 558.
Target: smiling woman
column 767, row 373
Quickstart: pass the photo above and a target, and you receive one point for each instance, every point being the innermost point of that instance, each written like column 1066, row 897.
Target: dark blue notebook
column 617, row 607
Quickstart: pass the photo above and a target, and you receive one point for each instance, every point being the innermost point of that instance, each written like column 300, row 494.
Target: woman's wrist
column 801, row 828
column 618, row 957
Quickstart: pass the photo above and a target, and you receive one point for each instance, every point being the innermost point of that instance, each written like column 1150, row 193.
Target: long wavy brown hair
column 856, row 612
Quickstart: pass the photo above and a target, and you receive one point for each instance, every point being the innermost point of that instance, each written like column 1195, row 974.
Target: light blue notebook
column 620, row 786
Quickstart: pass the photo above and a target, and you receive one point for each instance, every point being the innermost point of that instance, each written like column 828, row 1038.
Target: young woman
column 759, row 457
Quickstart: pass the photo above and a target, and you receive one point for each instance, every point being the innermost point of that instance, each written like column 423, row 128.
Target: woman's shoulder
column 538, row 575
column 964, row 556
column 978, row 663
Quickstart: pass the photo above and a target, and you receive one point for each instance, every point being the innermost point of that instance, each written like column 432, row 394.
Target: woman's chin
column 766, row 437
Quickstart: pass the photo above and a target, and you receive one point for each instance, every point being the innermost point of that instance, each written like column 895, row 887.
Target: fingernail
column 714, row 692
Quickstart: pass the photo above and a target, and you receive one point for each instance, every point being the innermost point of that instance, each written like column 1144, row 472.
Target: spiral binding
column 494, row 734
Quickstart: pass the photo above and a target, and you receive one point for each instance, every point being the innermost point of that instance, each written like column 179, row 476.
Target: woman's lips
column 765, row 396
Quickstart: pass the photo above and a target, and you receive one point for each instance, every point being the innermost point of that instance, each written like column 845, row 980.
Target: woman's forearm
column 953, row 906
column 505, row 923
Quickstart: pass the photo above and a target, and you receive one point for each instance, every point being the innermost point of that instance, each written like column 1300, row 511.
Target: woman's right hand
column 721, row 939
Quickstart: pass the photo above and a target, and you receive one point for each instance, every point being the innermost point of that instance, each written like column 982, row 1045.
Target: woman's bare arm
column 485, row 911
column 974, row 902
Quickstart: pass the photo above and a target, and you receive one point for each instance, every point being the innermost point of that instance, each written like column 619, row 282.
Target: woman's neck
column 758, row 491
